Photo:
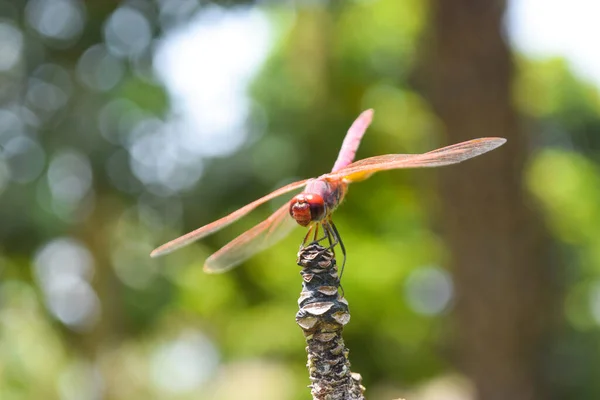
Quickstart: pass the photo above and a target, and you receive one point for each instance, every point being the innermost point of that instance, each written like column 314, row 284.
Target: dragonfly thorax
column 306, row 208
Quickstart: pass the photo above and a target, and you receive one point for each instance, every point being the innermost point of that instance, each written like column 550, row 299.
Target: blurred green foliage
column 164, row 329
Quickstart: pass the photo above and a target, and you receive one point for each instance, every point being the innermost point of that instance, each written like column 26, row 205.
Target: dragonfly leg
column 331, row 234
column 334, row 239
column 305, row 240
column 333, row 242
column 338, row 239
column 314, row 231
column 326, row 235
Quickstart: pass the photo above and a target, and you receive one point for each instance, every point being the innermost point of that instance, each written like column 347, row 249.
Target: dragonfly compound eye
column 305, row 208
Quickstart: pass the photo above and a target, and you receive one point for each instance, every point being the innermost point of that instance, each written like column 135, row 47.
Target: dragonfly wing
column 453, row 154
column 223, row 222
column 352, row 140
column 259, row 238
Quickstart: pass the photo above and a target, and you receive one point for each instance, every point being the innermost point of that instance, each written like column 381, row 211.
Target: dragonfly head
column 306, row 208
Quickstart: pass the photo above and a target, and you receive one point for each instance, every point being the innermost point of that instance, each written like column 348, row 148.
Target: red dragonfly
column 321, row 196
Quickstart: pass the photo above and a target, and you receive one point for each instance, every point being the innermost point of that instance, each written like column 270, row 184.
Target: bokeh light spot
column 127, row 32
column 429, row 290
column 184, row 364
column 61, row 20
column 11, row 46
column 63, row 256
column 69, row 176
column 174, row 12
column 45, row 96
column 158, row 161
column 49, row 89
column 63, row 268
column 26, row 159
column 98, row 69
column 10, row 125
column 73, row 302
column 117, row 118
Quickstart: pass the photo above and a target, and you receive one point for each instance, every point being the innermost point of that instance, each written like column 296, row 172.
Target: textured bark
column 506, row 299
column 322, row 316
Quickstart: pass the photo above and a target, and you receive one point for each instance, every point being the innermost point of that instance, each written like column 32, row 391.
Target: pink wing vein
column 223, row 222
column 257, row 239
column 453, row 154
column 352, row 140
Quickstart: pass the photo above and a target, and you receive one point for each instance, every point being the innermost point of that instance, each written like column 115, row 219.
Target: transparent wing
column 262, row 236
column 223, row 222
column 445, row 156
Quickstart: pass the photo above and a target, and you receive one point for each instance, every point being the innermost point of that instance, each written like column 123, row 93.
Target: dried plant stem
column 322, row 316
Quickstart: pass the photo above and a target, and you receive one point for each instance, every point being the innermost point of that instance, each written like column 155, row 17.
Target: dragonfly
column 314, row 206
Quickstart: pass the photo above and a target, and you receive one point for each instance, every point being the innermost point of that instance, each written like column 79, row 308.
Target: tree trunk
column 505, row 291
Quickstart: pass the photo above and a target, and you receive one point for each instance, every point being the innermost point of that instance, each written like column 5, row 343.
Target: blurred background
column 126, row 124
